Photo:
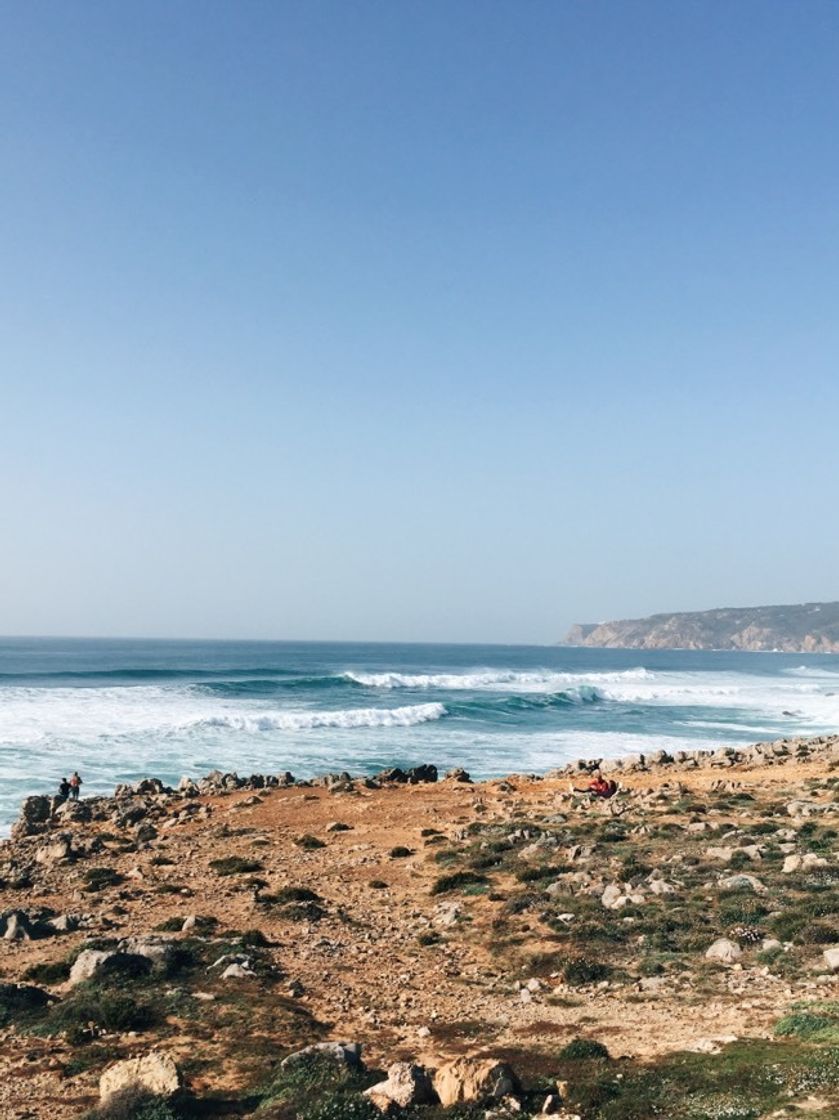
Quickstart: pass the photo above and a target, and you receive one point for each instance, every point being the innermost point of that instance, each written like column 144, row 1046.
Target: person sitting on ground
column 63, row 789
column 75, row 783
column 599, row 786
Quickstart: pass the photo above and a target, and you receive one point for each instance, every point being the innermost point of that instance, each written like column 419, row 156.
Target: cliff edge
column 800, row 628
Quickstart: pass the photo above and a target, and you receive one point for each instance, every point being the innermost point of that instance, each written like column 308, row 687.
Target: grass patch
column 458, row 880
column 235, row 865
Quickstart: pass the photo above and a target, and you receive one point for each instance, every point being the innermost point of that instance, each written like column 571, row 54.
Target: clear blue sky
column 423, row 321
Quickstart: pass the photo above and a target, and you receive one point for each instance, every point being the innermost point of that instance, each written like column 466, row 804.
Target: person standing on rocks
column 62, row 795
column 75, row 785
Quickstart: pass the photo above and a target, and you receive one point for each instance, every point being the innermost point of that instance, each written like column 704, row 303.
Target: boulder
column 613, row 897
column 722, row 855
column 155, row 1072
column 742, row 882
column 831, row 959
column 57, row 851
column 17, row 927
column 237, row 971
column 458, row 775
column 34, row 815
column 791, row 863
column 407, row 1084
column 474, row 1079
column 342, row 1053
column 724, row 951
column 88, row 963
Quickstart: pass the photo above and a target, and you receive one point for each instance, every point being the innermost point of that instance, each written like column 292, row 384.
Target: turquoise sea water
column 122, row 710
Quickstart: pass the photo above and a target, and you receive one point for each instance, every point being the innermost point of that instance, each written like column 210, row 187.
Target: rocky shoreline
column 180, row 944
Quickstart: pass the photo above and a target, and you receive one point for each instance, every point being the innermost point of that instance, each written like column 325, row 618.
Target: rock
column 63, row 923
column 154, row 949
column 34, row 814
column 58, row 851
column 407, row 1084
column 17, row 927
column 87, row 963
column 145, row 832
column 831, row 959
column 189, row 923
column 723, row 855
column 724, row 951
column 812, row 860
column 237, row 971
column 660, row 887
column 553, row 1104
column 791, row 863
column 474, row 1079
column 613, row 897
column 342, row 1053
column 458, row 775
column 155, row 1072
column 338, row 826
column 742, row 882
column 770, row 943
column 652, row 983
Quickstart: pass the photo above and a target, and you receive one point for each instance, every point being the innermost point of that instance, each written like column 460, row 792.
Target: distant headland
column 800, row 628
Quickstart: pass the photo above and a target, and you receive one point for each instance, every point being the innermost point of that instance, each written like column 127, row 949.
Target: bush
column 400, row 852
column 309, row 843
column 254, row 939
column 20, row 1001
column 90, row 1006
column 456, row 880
column 583, row 1049
column 133, row 1104
column 802, row 1024
column 580, row 970
column 97, row 878
column 290, row 894
column 49, row 972
column 235, row 865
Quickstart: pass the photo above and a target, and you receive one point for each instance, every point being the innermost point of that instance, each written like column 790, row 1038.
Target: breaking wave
column 539, row 680
column 408, row 716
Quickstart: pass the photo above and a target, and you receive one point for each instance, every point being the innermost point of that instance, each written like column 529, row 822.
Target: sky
column 439, row 321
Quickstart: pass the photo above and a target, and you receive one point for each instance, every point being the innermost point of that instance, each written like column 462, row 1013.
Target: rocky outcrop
column 407, row 1084
column 804, row 628
column 474, row 1079
column 155, row 1072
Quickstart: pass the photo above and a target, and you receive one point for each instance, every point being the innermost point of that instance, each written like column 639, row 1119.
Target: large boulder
column 346, row 1054
column 724, row 951
column 34, row 815
column 474, row 1079
column 407, row 1084
column 831, row 959
column 155, row 1072
column 88, row 963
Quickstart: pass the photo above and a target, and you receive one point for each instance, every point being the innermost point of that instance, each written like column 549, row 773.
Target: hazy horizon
column 426, row 323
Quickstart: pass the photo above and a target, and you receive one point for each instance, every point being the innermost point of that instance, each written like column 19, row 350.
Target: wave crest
column 407, row 716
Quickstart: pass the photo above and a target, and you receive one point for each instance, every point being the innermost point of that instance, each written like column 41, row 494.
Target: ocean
column 119, row 710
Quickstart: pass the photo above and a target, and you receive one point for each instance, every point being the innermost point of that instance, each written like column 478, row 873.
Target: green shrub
column 583, row 1049
column 802, row 1024
column 290, row 894
column 16, row 1002
column 581, row 970
column 133, row 1104
column 457, row 880
column 91, row 1006
column 235, row 865
column 49, row 972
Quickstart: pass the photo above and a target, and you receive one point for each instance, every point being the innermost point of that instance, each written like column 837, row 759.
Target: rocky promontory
column 430, row 948
column 803, row 628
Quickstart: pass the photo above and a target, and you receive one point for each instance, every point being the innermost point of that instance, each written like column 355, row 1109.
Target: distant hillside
column 803, row 628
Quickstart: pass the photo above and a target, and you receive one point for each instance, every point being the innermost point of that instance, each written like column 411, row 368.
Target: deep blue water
column 118, row 710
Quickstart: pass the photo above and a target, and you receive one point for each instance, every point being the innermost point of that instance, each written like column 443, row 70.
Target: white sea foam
column 494, row 680
column 408, row 716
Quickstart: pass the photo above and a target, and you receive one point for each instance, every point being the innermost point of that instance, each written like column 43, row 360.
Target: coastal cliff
column 800, row 628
